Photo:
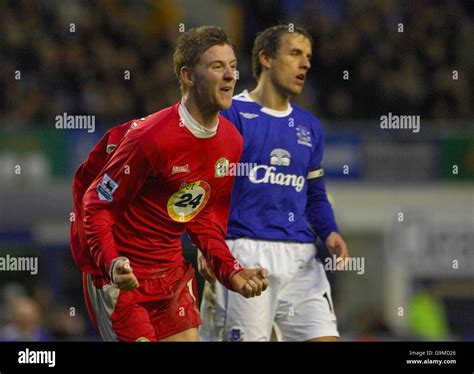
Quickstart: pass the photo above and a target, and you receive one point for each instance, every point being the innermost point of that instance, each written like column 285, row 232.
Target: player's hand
column 122, row 275
column 337, row 246
column 251, row 282
column 204, row 269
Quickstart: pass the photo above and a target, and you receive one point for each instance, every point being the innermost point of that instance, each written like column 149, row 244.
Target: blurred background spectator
column 427, row 315
column 25, row 321
column 75, row 56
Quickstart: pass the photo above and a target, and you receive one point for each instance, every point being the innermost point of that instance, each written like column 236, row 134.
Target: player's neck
column 268, row 96
column 206, row 118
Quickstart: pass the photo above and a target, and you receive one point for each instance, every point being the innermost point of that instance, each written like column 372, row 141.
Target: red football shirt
column 160, row 181
column 84, row 176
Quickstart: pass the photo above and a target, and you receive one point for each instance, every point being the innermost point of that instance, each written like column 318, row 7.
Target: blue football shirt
column 283, row 151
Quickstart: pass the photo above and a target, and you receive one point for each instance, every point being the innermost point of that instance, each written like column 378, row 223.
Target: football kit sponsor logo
column 186, row 203
column 248, row 115
column 236, row 335
column 180, row 169
column 280, row 157
column 221, row 167
column 106, row 188
column 267, row 174
column 304, row 135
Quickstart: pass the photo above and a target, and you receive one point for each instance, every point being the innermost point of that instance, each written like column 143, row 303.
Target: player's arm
column 204, row 268
column 220, row 217
column 96, row 160
column 209, row 238
column 88, row 170
column 319, row 210
column 208, row 232
column 104, row 202
column 220, row 213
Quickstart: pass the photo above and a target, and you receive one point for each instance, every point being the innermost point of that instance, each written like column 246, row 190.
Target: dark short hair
column 193, row 43
column 269, row 41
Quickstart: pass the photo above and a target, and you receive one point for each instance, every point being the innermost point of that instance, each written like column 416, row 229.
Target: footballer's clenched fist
column 251, row 282
column 122, row 275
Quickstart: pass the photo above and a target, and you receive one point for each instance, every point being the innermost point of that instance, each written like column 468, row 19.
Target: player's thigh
column 132, row 323
column 248, row 319
column 228, row 316
column 212, row 316
column 180, row 316
column 324, row 339
column 116, row 314
column 305, row 308
column 190, row 335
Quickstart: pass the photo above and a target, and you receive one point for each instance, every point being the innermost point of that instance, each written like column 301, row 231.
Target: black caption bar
column 64, row 357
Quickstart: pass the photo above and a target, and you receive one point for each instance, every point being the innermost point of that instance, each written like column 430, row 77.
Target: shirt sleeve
column 209, row 238
column 89, row 169
column 208, row 231
column 108, row 196
column 318, row 209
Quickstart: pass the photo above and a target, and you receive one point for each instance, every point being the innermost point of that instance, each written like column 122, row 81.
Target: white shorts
column 297, row 302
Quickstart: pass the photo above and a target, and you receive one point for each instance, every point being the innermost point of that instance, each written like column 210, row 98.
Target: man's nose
column 229, row 73
column 306, row 63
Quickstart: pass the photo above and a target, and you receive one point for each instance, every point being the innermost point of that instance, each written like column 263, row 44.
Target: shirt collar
column 272, row 112
column 194, row 126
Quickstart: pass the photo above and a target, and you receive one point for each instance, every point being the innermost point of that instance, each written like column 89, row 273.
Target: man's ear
column 264, row 59
column 187, row 76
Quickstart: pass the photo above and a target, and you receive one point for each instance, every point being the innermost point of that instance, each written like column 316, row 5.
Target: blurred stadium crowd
column 36, row 316
column 74, row 56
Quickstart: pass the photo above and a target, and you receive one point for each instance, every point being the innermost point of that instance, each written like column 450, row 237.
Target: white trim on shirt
column 194, row 126
column 245, row 96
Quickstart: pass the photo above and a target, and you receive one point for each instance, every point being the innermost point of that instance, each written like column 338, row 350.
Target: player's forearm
column 319, row 210
column 223, row 262
column 217, row 254
column 98, row 224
